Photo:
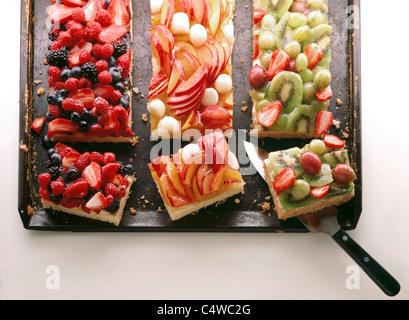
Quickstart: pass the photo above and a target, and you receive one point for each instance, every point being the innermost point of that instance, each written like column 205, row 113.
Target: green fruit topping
column 300, row 190
column 297, row 19
column 336, row 157
column 286, row 87
column 293, row 49
column 266, row 40
column 322, row 79
column 302, row 120
column 322, row 179
column 290, row 158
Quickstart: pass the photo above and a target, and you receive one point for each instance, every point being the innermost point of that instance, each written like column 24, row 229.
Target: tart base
column 284, row 214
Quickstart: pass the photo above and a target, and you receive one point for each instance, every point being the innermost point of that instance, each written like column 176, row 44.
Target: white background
column 226, row 266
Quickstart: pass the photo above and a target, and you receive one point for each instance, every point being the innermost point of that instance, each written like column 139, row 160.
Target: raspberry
column 57, row 187
column 111, row 189
column 83, row 161
column 97, row 157
column 57, row 44
column 55, row 73
column 105, row 77
column 115, row 96
column 96, row 50
column 44, row 193
column 101, row 105
column 110, row 169
column 55, row 111
column 108, row 157
column 77, row 32
column 66, row 39
column 101, row 65
column 68, row 104
column 71, row 84
column 104, row 18
column 120, row 112
column 107, row 50
column 78, row 15
column 84, row 83
column 124, row 61
column 59, row 85
column 85, row 56
column 79, row 107
column 44, row 179
column 109, row 199
column 93, row 29
column 121, row 193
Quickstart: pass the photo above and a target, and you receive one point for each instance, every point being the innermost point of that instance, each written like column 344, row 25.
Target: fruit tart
column 306, row 180
column 90, row 185
column 290, row 77
column 90, row 62
column 197, row 176
column 191, row 86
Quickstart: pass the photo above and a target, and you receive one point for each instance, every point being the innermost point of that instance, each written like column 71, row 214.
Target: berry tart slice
column 90, row 63
column 306, row 180
column 191, row 87
column 199, row 175
column 90, row 185
column 290, row 77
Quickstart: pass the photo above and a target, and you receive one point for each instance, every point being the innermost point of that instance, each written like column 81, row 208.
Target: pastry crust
column 284, row 214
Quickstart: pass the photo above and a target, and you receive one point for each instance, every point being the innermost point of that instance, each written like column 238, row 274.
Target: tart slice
column 90, row 63
column 199, row 175
column 290, row 77
column 191, row 87
column 90, row 185
column 306, row 180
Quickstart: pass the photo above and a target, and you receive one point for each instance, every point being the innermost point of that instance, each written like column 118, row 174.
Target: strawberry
column 324, row 95
column 279, row 62
column 71, row 202
column 97, row 202
column 85, row 96
column 319, row 192
column 57, row 187
column 97, row 157
column 83, row 161
column 62, row 126
column 110, row 122
column 115, row 96
column 76, row 51
column 60, row 13
column 37, row 124
column 111, row 189
column 77, row 189
column 323, row 122
column 117, row 180
column 74, row 3
column 333, row 142
column 91, row 9
column 124, row 61
column 108, row 157
column 314, row 54
column 92, row 175
column 268, row 115
column 44, row 193
column 62, row 149
column 44, row 179
column 258, row 15
column 119, row 13
column 84, row 83
column 103, row 90
column 110, row 169
column 285, row 180
column 112, row 34
column 70, row 159
column 120, row 113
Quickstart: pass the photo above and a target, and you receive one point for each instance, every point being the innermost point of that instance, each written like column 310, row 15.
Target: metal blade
column 257, row 157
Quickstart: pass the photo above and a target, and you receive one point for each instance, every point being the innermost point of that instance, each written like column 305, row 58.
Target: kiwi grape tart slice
column 292, row 57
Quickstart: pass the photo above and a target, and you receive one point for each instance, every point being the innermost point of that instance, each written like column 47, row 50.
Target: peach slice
column 191, row 167
column 207, row 182
column 218, row 179
column 173, row 177
column 195, row 188
column 215, row 15
column 176, row 200
column 199, row 10
column 200, row 175
column 168, row 10
column 165, row 37
column 231, row 174
column 184, row 46
column 195, row 81
column 177, row 76
column 188, row 62
column 164, row 186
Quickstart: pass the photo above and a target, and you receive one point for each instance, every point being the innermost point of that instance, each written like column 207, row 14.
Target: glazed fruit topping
column 285, row 180
column 268, row 115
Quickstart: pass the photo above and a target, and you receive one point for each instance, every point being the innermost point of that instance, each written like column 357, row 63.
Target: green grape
column 262, row 104
column 315, row 4
column 266, row 40
column 322, row 79
column 307, row 76
column 300, row 190
column 308, row 93
column 257, row 95
column 315, row 18
column 301, row 62
column 317, row 146
column 293, row 49
column 301, row 33
column 297, row 19
column 268, row 22
column 265, row 59
column 318, row 106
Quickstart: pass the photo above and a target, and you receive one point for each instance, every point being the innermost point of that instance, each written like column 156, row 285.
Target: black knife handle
column 372, row 268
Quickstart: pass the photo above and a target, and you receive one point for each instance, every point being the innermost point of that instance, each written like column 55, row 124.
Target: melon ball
column 170, row 125
column 198, row 35
column 210, row 98
column 156, row 5
column 157, row 108
column 224, row 84
column 180, row 23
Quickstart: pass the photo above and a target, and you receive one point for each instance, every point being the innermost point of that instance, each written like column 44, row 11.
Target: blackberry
column 113, row 207
column 54, row 172
column 58, row 58
column 119, row 49
column 89, row 70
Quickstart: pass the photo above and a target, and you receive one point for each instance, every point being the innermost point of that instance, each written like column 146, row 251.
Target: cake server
column 325, row 221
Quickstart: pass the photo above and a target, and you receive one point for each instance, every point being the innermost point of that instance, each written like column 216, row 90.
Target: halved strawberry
column 319, row 192
column 332, row 141
column 37, row 124
column 77, row 189
column 62, row 149
column 258, row 15
column 215, row 116
column 62, row 126
column 110, row 121
column 60, row 13
column 97, row 202
column 268, row 115
column 112, row 33
column 103, row 90
column 85, row 96
column 110, row 169
column 279, row 62
column 74, row 57
column 285, row 180
column 314, row 54
column 119, row 12
column 324, row 95
column 74, row 3
column 324, row 122
column 91, row 9
column 93, row 175
column 69, row 160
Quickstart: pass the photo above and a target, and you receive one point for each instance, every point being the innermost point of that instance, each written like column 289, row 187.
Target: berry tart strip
column 199, row 175
column 307, row 180
column 191, row 86
column 90, row 63
column 89, row 185
column 290, row 77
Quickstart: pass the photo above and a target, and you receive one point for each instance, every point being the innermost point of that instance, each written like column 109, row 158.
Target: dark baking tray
column 232, row 216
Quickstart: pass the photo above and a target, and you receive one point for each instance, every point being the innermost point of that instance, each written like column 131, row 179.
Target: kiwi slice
column 320, row 35
column 287, row 87
column 336, row 157
column 302, row 120
column 277, row 7
column 290, row 158
column 288, row 202
column 336, row 189
column 321, row 179
column 283, row 32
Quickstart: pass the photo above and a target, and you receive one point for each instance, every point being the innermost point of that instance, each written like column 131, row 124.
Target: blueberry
column 52, row 98
column 72, row 174
column 120, row 86
column 115, row 73
column 60, row 101
column 111, row 61
column 128, row 170
column 76, row 72
column 75, row 117
column 49, row 117
column 50, row 152
column 65, row 74
column 63, row 93
column 125, row 101
column 55, row 159
column 47, row 142
column 83, row 125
